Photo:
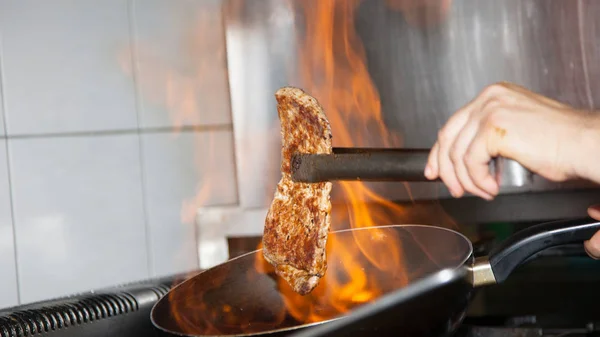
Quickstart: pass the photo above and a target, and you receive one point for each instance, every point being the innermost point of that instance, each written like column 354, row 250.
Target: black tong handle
column 368, row 164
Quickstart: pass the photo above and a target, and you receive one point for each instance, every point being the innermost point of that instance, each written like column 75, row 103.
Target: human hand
column 549, row 138
column 592, row 246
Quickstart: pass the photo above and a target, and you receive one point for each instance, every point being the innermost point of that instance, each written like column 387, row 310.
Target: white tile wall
column 61, row 66
column 8, row 281
column 98, row 209
column 181, row 63
column 182, row 173
column 79, row 216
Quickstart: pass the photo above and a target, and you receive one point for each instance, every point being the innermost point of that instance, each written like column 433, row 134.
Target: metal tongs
column 388, row 164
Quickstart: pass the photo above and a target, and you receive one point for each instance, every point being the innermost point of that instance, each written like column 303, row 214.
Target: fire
column 363, row 265
column 333, row 69
column 189, row 91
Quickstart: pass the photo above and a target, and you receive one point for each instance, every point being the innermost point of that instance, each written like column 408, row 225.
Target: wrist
column 588, row 164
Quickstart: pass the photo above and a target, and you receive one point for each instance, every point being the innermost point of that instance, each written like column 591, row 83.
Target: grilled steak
column 298, row 219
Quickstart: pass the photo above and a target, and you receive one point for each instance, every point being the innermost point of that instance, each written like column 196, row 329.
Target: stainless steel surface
column 481, row 272
column 261, row 46
column 509, row 173
column 422, row 74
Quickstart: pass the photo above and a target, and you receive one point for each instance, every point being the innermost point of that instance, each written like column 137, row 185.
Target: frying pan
column 415, row 280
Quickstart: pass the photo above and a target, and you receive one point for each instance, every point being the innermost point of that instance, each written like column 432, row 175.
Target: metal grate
column 77, row 311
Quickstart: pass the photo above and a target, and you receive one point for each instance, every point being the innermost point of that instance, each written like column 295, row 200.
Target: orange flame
column 189, row 89
column 333, row 70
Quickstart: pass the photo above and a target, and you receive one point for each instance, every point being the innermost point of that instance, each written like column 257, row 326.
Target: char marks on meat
column 298, row 220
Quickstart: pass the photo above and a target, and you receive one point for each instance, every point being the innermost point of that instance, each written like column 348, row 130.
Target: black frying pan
column 410, row 279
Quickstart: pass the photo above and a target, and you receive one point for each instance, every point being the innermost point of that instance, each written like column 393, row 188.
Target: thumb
column 592, row 246
column 594, row 212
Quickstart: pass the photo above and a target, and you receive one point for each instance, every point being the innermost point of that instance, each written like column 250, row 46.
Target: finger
column 592, row 246
column 457, row 155
column 594, row 212
column 446, row 138
column 477, row 161
column 432, row 168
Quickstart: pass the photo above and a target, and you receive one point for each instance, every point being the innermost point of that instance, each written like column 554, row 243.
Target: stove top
column 555, row 294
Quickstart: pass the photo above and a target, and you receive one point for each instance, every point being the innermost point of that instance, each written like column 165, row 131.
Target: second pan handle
column 525, row 243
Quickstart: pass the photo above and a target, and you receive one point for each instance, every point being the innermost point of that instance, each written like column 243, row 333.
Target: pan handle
column 527, row 242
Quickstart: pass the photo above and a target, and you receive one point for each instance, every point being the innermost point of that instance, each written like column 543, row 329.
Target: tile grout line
column 9, row 172
column 154, row 130
column 134, row 74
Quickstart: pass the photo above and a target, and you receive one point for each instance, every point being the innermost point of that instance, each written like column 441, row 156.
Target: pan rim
column 308, row 325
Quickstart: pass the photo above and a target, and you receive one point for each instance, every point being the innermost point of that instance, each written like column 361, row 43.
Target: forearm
column 588, row 151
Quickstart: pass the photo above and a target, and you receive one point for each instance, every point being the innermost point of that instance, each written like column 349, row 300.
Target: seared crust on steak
column 298, row 220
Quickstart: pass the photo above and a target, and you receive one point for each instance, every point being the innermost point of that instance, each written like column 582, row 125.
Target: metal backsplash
column 423, row 75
